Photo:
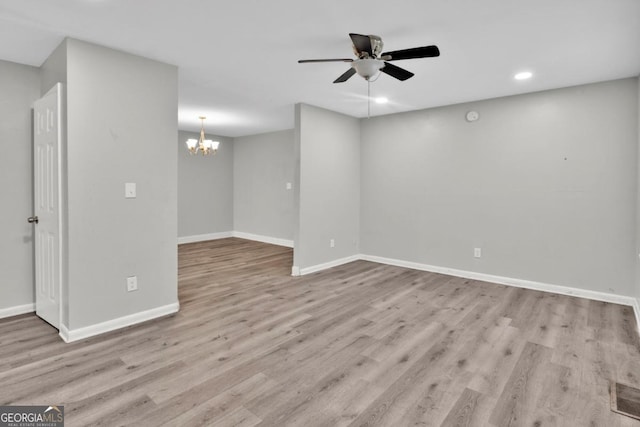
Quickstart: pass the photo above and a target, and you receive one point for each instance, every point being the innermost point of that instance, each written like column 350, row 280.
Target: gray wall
column 544, row 183
column 262, row 166
column 122, row 127
column 54, row 68
column 205, row 188
column 19, row 87
column 637, row 253
column 328, row 192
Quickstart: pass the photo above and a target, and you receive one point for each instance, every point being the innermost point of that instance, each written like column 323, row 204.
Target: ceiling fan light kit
column 368, row 67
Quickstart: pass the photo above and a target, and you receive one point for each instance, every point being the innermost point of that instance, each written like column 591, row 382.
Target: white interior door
column 47, row 135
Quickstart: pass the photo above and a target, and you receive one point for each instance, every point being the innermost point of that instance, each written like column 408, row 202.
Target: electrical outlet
column 332, row 243
column 132, row 283
column 477, row 252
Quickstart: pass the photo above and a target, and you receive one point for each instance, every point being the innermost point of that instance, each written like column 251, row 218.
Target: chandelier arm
column 201, row 142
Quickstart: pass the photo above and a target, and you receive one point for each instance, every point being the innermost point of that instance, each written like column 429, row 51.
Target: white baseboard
column 239, row 234
column 17, row 310
column 204, row 237
column 324, row 266
column 63, row 332
column 111, row 325
column 263, row 239
column 509, row 281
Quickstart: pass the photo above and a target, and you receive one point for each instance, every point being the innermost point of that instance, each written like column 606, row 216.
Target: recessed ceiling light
column 523, row 75
column 381, row 100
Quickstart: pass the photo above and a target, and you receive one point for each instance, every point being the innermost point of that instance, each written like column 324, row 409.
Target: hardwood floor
column 361, row 344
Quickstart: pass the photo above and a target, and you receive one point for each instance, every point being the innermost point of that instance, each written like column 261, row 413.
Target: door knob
column 33, row 219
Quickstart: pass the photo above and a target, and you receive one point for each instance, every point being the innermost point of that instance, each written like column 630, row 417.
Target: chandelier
column 204, row 146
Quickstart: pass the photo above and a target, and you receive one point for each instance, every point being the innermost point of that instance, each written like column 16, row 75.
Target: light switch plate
column 130, row 190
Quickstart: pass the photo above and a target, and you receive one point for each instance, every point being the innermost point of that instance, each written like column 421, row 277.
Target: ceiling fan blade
column 304, row 61
column 397, row 72
column 416, row 52
column 362, row 43
column 346, row 76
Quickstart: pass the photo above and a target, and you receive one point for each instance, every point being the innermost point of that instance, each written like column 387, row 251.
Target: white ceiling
column 238, row 59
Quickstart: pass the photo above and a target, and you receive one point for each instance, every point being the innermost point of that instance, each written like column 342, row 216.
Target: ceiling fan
column 371, row 59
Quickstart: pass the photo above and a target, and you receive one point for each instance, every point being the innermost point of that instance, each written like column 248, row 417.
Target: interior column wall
column 328, row 190
column 122, row 128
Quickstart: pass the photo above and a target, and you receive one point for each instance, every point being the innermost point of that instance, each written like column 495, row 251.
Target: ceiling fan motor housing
column 376, row 45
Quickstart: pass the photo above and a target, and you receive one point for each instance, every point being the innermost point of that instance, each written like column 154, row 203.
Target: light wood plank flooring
column 361, row 344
